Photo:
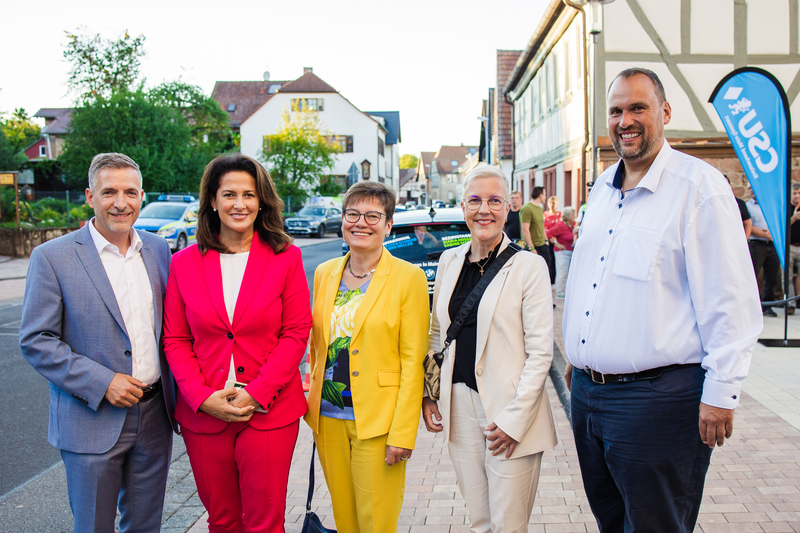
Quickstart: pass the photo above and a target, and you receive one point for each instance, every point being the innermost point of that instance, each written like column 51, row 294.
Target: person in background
column 369, row 339
column 531, row 218
column 794, row 245
column 762, row 253
column 552, row 216
column 512, row 227
column 493, row 407
column 562, row 237
column 237, row 319
column 748, row 224
column 91, row 325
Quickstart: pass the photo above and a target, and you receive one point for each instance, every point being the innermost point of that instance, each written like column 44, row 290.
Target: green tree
column 9, row 157
column 137, row 124
column 100, row 66
column 20, row 130
column 298, row 154
column 408, row 161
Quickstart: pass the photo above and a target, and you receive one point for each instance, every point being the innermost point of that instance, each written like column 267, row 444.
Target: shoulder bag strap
column 475, row 296
column 311, row 479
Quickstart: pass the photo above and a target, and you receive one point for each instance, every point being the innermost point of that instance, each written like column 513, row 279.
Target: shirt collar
column 101, row 243
column 652, row 178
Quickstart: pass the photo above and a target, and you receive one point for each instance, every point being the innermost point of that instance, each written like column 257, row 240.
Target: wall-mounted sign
column 7, row 179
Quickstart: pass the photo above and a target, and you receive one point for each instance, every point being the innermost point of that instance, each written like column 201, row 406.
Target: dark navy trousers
column 642, row 461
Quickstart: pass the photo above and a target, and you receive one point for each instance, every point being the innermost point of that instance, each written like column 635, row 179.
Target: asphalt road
column 24, row 394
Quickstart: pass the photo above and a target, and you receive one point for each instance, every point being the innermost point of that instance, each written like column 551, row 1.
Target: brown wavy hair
column 269, row 221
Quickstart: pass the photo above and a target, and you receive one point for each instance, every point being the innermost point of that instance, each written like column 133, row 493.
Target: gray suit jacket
column 72, row 332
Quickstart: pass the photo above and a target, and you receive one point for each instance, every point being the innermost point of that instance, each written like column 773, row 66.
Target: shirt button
column 355, row 373
column 128, row 353
column 602, row 258
column 610, row 231
column 620, row 206
column 355, row 352
column 230, row 335
column 583, row 341
column 594, row 285
column 240, row 370
column 587, row 313
column 479, row 372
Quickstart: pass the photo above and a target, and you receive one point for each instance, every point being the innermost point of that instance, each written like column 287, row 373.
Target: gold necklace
column 481, row 266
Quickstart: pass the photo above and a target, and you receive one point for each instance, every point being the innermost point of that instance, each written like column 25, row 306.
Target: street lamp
column 594, row 9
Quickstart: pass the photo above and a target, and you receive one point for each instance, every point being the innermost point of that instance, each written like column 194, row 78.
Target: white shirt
column 663, row 276
column 756, row 218
column 134, row 293
column 232, row 267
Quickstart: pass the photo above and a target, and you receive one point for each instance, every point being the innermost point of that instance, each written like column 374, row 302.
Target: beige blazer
column 514, row 347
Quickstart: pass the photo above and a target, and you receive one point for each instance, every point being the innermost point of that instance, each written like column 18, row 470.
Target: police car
column 174, row 217
column 420, row 237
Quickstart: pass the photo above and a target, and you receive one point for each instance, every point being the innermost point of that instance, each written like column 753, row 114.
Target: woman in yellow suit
column 371, row 322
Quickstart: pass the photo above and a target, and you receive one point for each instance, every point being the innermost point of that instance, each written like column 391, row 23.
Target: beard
column 630, row 153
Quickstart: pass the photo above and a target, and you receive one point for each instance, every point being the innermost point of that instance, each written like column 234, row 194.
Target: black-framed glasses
column 371, row 217
column 495, row 203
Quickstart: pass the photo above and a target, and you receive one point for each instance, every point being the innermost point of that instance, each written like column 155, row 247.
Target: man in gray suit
column 91, row 325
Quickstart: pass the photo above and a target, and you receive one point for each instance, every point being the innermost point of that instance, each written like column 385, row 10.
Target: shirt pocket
column 636, row 255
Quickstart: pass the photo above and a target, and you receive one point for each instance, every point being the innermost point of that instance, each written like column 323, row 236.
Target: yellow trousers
column 366, row 493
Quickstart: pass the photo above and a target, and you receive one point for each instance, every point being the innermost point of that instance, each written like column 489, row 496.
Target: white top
column 134, row 293
column 233, row 267
column 756, row 218
column 663, row 276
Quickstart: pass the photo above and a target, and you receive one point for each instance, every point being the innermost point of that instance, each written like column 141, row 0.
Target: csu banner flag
column 755, row 111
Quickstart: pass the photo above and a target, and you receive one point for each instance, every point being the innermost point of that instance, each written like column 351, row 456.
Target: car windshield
column 156, row 210
column 309, row 211
column 425, row 241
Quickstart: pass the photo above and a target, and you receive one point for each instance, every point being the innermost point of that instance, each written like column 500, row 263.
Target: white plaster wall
column 666, row 19
column 559, row 192
column 703, row 79
column 623, row 33
column 768, row 27
column 339, row 118
column 712, row 27
column 683, row 117
column 785, row 74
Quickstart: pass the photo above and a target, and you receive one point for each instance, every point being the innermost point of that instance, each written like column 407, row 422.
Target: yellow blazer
column 389, row 341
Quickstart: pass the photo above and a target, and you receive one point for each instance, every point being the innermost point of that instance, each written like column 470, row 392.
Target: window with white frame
column 344, row 142
column 42, row 150
column 308, row 104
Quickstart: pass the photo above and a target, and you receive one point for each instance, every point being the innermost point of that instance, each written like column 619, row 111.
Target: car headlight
column 313, row 224
column 169, row 232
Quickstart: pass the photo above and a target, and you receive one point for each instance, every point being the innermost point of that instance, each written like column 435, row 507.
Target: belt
column 150, row 391
column 757, row 241
column 602, row 379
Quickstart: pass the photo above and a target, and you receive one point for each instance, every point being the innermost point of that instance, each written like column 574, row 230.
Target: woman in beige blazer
column 493, row 407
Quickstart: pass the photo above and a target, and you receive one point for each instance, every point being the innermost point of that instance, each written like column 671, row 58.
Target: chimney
column 308, row 70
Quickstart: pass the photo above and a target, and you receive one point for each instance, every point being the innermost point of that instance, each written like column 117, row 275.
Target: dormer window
column 454, row 163
column 273, row 88
column 231, row 108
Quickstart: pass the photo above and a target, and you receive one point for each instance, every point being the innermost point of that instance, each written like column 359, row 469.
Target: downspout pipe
column 513, row 143
column 585, row 96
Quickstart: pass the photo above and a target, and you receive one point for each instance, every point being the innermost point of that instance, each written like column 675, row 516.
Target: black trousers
column 544, row 251
column 764, row 256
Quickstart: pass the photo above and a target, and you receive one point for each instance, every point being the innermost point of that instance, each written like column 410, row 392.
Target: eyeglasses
column 495, row 203
column 371, row 217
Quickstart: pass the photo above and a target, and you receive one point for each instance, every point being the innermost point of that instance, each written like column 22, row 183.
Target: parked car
column 438, row 204
column 420, row 238
column 174, row 217
column 315, row 220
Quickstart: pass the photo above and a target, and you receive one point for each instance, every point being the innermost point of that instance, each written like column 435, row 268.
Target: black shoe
column 769, row 312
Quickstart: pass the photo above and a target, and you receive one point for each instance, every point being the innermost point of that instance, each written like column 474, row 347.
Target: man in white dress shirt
column 91, row 325
column 660, row 319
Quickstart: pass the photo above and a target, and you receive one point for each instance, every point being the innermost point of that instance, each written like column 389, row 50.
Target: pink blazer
column 268, row 336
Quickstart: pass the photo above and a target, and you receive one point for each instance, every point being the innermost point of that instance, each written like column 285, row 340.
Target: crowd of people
column 659, row 325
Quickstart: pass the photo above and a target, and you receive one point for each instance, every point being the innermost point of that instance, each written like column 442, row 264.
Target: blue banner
column 753, row 107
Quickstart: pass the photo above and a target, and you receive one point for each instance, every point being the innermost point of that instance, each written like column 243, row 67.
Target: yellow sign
column 6, row 179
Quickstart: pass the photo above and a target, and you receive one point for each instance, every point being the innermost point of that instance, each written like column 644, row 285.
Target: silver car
column 315, row 220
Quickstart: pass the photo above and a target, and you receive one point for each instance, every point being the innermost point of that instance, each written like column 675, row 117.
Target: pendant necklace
column 350, row 268
column 481, row 266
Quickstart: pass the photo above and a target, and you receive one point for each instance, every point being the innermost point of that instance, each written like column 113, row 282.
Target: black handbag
column 433, row 359
column 312, row 523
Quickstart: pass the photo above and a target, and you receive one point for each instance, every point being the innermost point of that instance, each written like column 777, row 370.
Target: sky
column 432, row 60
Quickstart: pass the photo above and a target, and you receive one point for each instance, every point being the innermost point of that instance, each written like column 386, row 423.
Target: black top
column 464, row 365
column 795, row 236
column 743, row 209
column 512, row 228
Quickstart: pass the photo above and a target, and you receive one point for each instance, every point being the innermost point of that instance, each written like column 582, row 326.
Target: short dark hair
column 536, row 192
column 629, row 73
column 371, row 190
column 269, row 220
